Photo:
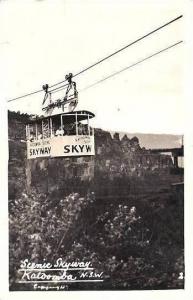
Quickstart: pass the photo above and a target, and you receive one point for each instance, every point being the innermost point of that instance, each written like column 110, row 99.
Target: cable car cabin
column 67, row 134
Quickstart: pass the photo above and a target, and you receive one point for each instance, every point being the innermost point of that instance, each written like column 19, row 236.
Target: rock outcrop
column 114, row 159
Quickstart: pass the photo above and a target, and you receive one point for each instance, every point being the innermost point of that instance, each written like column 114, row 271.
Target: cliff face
column 125, row 157
column 114, row 159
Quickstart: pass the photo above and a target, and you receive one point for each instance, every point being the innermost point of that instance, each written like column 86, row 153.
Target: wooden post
column 88, row 126
column 28, row 175
column 47, row 166
column 76, row 125
column 61, row 121
column 36, row 132
column 42, row 130
column 51, row 127
column 48, row 135
column 176, row 161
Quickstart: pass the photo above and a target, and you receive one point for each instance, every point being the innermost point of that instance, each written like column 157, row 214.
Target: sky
column 42, row 41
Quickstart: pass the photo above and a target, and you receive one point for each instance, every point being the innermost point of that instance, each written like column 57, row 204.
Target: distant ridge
column 153, row 141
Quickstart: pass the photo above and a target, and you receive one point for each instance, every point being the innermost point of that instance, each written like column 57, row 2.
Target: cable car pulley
column 71, row 100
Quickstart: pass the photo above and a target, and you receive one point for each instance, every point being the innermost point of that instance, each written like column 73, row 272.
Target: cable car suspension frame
column 70, row 100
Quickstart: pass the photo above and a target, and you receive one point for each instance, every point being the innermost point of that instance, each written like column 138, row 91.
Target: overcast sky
column 41, row 41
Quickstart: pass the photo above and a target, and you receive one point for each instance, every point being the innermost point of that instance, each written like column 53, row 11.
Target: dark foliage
column 137, row 247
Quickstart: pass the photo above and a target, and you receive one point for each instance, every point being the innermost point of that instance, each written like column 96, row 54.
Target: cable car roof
column 69, row 117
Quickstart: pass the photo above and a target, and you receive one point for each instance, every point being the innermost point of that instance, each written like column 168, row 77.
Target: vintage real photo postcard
column 95, row 119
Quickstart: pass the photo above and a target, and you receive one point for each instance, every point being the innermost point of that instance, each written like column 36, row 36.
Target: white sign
column 61, row 146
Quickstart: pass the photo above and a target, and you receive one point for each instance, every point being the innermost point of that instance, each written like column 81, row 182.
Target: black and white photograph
column 94, row 95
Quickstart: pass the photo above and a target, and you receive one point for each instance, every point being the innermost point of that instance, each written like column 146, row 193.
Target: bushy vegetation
column 137, row 247
column 23, row 117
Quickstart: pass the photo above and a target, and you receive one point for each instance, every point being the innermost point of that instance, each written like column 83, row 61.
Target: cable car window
column 39, row 135
column 69, row 124
column 55, row 125
column 83, row 129
column 31, row 134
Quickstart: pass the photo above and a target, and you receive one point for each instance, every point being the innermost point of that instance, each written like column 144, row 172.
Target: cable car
column 61, row 131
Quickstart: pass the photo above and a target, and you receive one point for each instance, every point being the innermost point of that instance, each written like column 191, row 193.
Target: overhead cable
column 132, row 65
column 103, row 59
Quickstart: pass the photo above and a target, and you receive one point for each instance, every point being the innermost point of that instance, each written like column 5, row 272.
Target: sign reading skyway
column 61, row 146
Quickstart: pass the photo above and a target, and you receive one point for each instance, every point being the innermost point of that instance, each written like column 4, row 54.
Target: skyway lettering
column 40, row 151
column 77, row 148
